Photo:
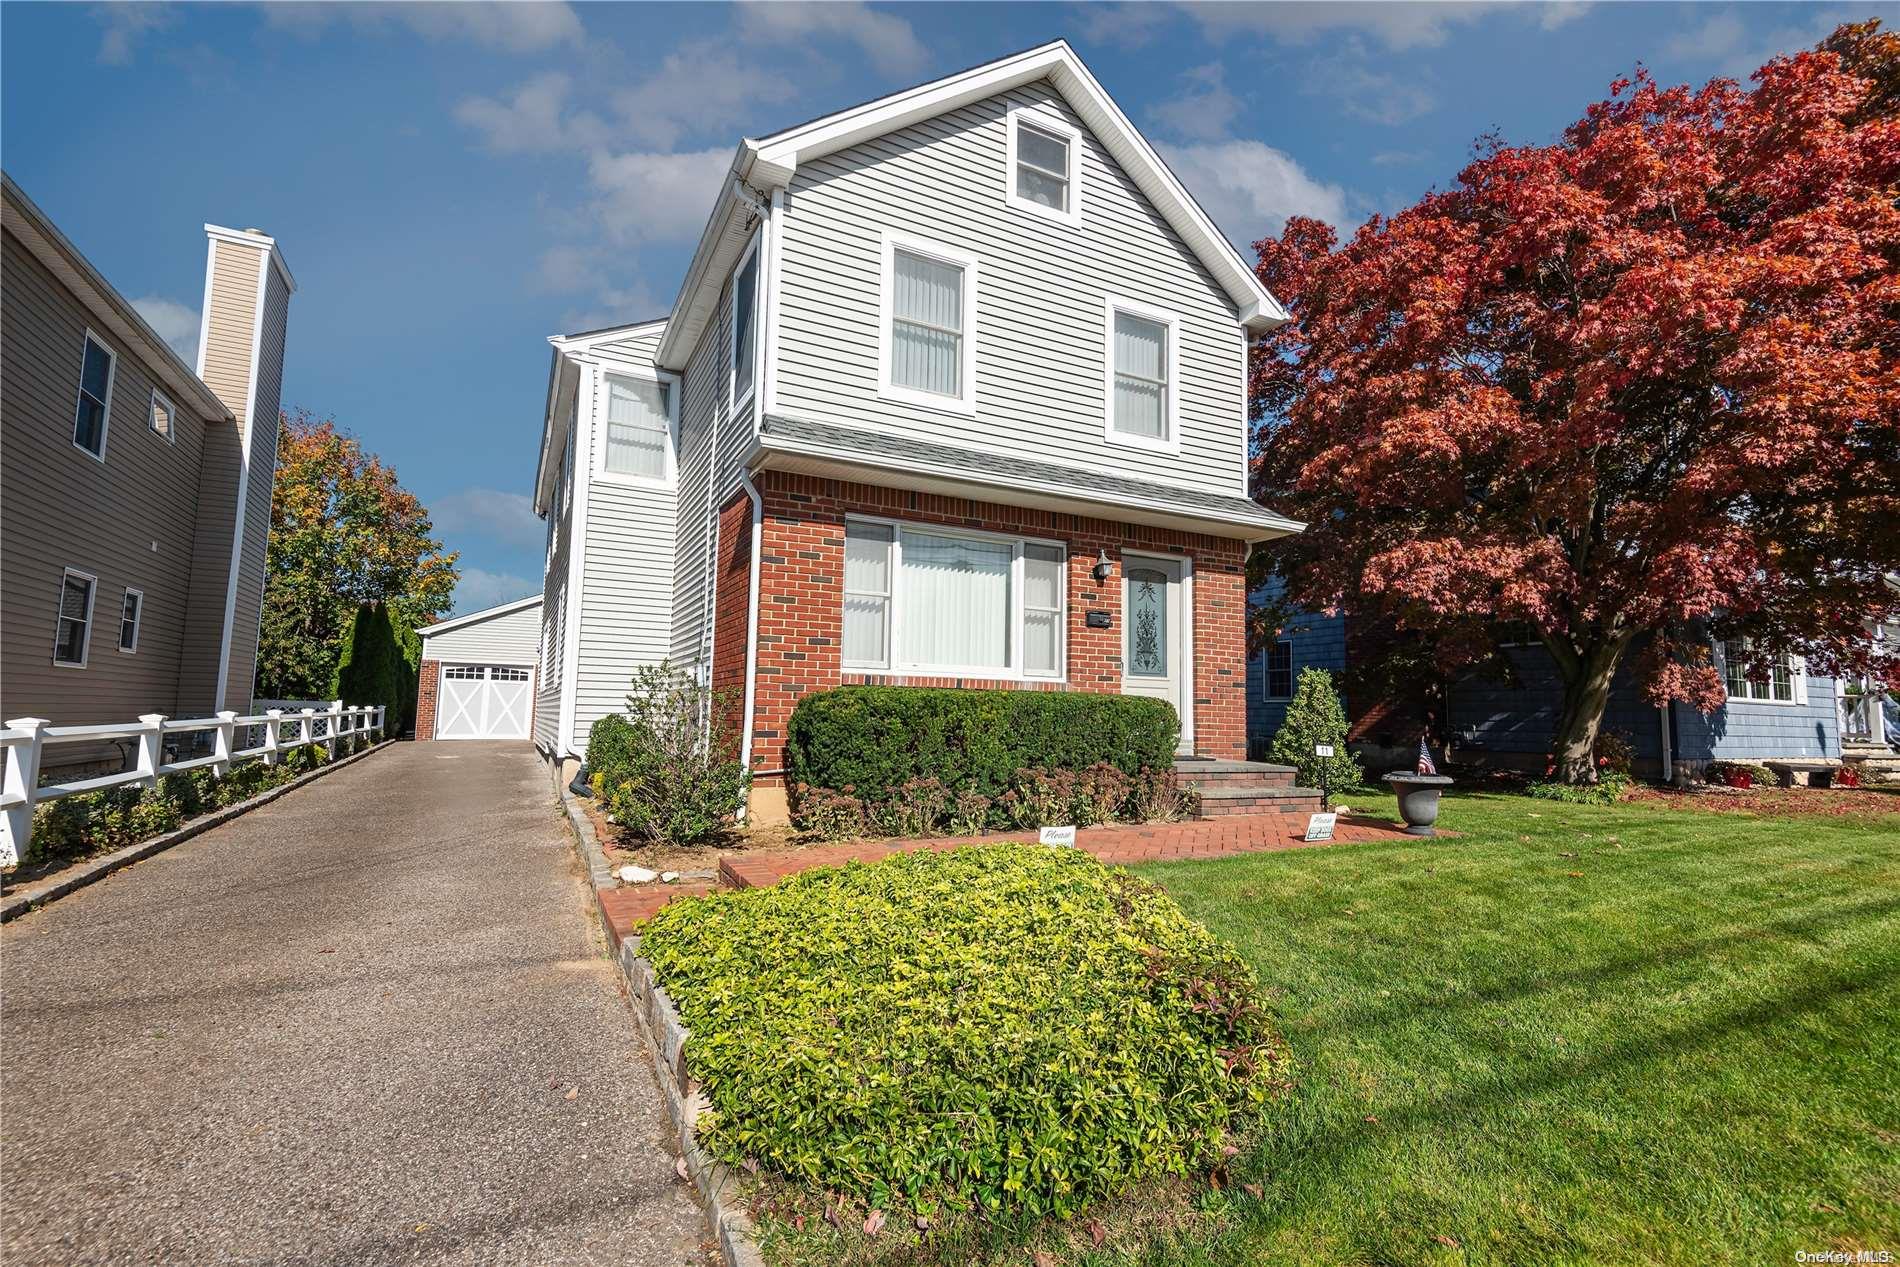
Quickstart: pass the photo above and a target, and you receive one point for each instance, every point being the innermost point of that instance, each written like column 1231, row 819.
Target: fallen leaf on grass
column 1045, row 1259
column 1575, row 875
column 1449, row 1242
column 1252, row 1190
column 1373, row 1118
column 831, row 1216
column 1097, row 1233
column 798, row 1221
column 921, row 1223
column 679, row 1168
column 874, row 1223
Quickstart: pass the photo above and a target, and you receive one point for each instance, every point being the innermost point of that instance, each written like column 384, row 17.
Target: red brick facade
column 427, row 677
column 732, row 599
column 801, row 606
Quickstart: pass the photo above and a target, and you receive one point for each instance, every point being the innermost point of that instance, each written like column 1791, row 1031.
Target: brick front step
column 1232, row 801
column 1213, row 774
column 624, row 909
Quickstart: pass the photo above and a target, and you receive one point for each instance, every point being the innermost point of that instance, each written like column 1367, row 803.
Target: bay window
column 937, row 600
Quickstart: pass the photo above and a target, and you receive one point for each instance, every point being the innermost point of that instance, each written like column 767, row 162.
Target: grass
column 1571, row 1035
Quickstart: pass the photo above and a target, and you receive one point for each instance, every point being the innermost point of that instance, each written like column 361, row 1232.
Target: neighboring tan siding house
column 953, row 394
column 120, row 511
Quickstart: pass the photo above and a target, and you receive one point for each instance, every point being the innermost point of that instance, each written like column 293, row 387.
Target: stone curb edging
column 660, row 1025
column 33, row 898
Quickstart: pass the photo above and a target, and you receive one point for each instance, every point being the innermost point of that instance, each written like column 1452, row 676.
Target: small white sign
column 1320, row 826
column 1322, row 750
column 1057, row 836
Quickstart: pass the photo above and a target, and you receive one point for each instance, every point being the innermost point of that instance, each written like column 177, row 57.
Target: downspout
column 751, row 629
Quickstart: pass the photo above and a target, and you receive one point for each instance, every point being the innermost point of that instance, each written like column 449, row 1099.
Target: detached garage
column 477, row 679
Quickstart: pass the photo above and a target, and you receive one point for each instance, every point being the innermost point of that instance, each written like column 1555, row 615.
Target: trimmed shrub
column 1009, row 1025
column 1721, row 771
column 876, row 738
column 1315, row 716
column 666, row 771
column 1609, row 788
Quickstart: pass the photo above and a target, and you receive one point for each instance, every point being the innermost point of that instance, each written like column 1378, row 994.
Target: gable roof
column 113, row 312
column 769, row 163
column 474, row 618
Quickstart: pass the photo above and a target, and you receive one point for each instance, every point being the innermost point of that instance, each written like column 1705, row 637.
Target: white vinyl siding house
column 1040, row 360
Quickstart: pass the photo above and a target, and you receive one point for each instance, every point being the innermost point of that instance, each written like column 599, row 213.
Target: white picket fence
column 26, row 740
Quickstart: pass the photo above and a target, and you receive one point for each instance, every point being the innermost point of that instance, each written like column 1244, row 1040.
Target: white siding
column 1043, row 286
column 554, row 616
column 703, row 408
column 509, row 638
column 627, row 585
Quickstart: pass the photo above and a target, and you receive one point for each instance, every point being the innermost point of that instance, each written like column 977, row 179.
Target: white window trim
column 894, row 607
column 672, row 384
column 138, row 622
column 1171, row 413
column 732, row 330
column 1266, row 676
column 965, row 403
column 171, row 416
column 1797, row 682
column 92, row 599
column 1018, row 115
column 105, row 421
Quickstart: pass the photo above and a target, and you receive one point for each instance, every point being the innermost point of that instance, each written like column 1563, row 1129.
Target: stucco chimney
column 241, row 358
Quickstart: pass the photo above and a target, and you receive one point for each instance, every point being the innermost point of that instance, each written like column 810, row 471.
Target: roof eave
column 486, row 613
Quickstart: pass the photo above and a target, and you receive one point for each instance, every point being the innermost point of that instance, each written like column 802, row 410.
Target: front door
column 1155, row 651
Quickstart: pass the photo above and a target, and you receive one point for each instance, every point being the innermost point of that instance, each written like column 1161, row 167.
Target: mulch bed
column 1784, row 802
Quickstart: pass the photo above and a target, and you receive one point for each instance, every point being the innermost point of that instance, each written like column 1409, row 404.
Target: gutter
column 751, row 628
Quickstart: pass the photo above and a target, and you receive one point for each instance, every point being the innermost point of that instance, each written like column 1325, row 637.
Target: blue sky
column 452, row 183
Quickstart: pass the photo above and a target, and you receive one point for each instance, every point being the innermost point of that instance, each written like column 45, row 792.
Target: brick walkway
column 626, row 908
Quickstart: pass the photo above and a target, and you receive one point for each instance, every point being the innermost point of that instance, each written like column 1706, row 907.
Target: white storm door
column 1154, row 635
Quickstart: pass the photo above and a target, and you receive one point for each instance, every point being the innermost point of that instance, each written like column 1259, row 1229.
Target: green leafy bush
column 875, row 738
column 1315, row 716
column 1609, row 788
column 668, row 770
column 1007, row 1024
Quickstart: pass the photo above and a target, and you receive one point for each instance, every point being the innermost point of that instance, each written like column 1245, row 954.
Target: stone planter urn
column 1418, row 799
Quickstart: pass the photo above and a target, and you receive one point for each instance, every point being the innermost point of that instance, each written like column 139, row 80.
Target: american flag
column 1425, row 765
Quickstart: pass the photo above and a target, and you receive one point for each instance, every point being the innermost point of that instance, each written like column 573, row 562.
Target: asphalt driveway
column 368, row 1023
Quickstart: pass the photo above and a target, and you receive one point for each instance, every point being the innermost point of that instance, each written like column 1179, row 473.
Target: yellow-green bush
column 1012, row 1025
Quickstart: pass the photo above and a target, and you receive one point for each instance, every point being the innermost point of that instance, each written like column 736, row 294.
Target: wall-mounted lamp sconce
column 1103, row 569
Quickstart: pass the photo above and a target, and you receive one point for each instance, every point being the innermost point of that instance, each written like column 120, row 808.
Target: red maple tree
column 1634, row 390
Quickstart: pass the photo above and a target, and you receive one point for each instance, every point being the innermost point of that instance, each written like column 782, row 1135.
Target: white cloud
column 700, row 87
column 1397, row 26
column 1725, row 45
column 1369, row 94
column 1205, row 109
column 535, row 117
column 491, row 515
column 1123, row 25
column 885, row 38
column 125, row 25
column 655, row 197
column 175, row 323
column 511, row 26
column 478, row 588
column 1556, row 13
column 1250, row 188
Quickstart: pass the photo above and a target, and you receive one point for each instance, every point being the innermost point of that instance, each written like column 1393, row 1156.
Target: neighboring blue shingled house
column 1790, row 716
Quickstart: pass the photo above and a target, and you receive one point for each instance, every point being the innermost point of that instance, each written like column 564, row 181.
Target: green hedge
column 1011, row 1025
column 873, row 739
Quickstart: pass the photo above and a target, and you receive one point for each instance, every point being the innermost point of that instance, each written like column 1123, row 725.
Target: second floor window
column 639, row 427
column 1140, row 393
column 129, row 611
column 95, row 398
column 164, row 415
column 73, row 628
column 929, row 295
column 745, row 296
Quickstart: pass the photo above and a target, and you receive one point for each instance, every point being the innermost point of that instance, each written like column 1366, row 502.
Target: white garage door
column 483, row 701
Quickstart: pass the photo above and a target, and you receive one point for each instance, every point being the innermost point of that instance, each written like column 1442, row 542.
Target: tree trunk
column 1586, row 694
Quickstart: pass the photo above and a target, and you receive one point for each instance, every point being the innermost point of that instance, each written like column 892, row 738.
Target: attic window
column 1044, row 167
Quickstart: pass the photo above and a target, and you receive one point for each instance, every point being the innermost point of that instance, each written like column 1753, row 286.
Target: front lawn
column 1572, row 1035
